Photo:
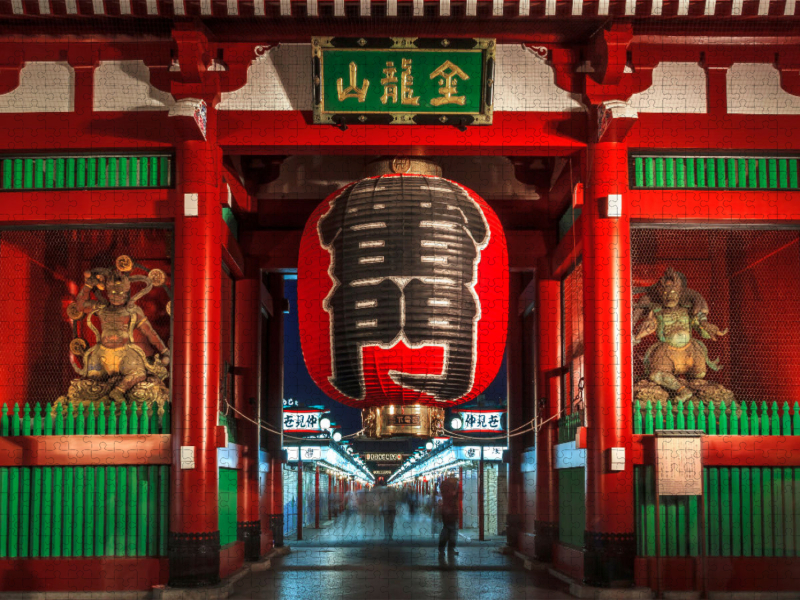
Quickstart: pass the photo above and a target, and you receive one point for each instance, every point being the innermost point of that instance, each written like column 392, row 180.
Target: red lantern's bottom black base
column 609, row 557
column 403, row 420
column 193, row 559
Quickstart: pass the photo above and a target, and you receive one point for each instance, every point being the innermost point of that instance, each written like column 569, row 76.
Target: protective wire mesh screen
column 572, row 336
column 43, row 270
column 738, row 282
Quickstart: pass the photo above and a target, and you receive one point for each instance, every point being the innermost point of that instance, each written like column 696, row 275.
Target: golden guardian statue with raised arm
column 116, row 368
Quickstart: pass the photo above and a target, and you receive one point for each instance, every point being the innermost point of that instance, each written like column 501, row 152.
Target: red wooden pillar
column 516, row 501
column 299, row 500
column 548, row 307
column 480, row 500
column 330, row 495
column 194, row 543
column 461, row 497
column 273, row 396
column 246, row 349
column 316, row 497
column 610, row 541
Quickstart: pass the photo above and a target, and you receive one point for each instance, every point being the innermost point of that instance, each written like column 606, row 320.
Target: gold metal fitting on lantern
column 402, row 420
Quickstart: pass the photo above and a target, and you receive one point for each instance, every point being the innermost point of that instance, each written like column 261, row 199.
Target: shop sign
column 386, row 472
column 302, row 420
column 385, row 457
column 420, row 81
column 474, row 452
column 481, row 420
column 292, row 453
column 493, row 452
column 310, row 453
column 470, row 452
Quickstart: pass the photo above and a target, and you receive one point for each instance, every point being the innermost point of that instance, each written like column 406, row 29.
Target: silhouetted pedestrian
column 449, row 511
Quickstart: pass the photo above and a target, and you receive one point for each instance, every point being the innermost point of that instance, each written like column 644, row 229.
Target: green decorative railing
column 741, row 418
column 84, row 511
column 568, row 427
column 749, row 511
column 84, row 172
column 715, row 172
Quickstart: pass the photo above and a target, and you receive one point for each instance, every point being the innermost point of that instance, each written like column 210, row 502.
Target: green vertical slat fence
column 75, row 511
column 80, row 172
column 664, row 172
column 750, row 511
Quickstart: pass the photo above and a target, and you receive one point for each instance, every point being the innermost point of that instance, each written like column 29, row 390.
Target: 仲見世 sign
column 481, row 420
column 302, row 420
column 403, row 81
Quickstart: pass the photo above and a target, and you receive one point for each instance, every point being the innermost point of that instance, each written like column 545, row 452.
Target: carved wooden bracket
column 204, row 69
column 608, row 53
column 605, row 76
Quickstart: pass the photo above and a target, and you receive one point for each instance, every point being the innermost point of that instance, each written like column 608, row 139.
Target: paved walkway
column 350, row 560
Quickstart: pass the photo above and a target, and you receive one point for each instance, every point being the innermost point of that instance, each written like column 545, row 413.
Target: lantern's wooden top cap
column 404, row 165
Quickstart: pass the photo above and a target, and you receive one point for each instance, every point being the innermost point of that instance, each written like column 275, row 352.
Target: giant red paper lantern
column 403, row 293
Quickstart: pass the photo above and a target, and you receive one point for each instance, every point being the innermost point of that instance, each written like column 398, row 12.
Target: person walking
column 449, row 511
column 389, row 510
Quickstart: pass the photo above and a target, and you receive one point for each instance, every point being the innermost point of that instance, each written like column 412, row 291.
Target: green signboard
column 403, row 81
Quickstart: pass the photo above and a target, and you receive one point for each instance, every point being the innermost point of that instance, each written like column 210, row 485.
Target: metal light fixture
column 337, row 437
column 456, row 423
column 325, row 423
column 429, row 446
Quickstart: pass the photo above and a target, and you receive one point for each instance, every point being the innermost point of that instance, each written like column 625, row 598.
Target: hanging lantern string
column 267, row 427
column 263, row 425
column 521, row 430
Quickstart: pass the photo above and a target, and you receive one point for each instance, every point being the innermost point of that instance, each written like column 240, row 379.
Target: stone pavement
column 355, row 564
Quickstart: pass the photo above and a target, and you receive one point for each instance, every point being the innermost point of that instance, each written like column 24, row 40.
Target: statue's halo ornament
column 78, row 347
column 157, row 276
column 124, row 263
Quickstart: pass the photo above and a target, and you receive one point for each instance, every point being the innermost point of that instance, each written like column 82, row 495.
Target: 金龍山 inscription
column 396, row 81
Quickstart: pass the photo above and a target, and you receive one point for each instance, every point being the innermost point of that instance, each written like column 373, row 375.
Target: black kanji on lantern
column 404, row 252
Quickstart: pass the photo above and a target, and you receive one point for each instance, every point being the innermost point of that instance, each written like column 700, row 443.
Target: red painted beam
column 78, row 574
column 511, row 134
column 242, row 200
column 715, row 133
column 85, row 450
column 731, row 450
column 86, row 205
column 87, row 131
column 725, row 573
column 701, row 206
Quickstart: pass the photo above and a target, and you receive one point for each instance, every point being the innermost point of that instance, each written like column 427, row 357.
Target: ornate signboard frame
column 403, row 81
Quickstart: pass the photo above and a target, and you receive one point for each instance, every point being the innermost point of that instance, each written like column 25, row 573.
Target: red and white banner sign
column 302, row 420
column 481, row 420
